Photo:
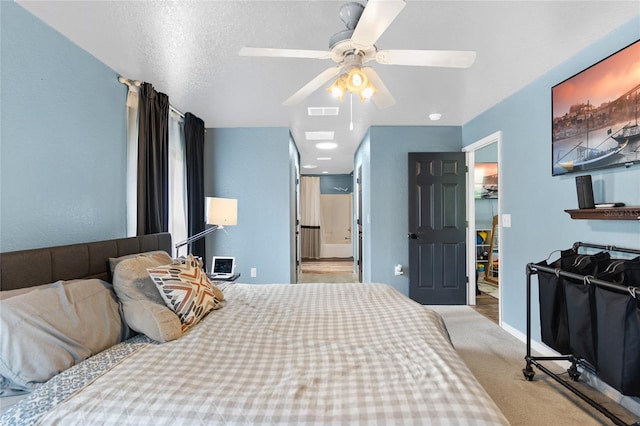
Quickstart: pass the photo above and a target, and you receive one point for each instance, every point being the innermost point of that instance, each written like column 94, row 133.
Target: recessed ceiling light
column 309, row 166
column 325, row 172
column 326, row 145
column 319, row 135
column 323, row 158
column 435, row 116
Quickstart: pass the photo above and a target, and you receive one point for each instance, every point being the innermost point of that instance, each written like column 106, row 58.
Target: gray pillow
column 113, row 261
column 48, row 330
column 144, row 309
column 18, row 291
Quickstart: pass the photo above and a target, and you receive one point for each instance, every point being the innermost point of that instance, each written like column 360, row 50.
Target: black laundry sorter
column 590, row 314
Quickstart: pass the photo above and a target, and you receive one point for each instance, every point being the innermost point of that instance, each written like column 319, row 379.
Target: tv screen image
column 486, row 180
column 595, row 115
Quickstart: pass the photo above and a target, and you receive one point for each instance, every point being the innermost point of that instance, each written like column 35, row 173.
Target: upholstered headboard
column 28, row 268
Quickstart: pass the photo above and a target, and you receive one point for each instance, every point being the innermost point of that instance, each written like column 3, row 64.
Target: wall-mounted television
column 595, row 115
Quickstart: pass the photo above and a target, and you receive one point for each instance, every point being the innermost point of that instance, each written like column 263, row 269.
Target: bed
column 350, row 353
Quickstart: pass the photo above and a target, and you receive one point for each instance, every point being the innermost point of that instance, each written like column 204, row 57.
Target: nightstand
column 218, row 279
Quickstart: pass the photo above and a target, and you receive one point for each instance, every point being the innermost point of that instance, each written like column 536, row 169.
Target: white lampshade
column 222, row 211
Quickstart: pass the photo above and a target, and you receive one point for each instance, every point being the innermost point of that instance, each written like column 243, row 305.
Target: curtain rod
column 171, row 107
column 128, row 82
column 138, row 83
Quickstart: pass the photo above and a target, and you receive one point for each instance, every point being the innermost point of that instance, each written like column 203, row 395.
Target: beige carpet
column 496, row 358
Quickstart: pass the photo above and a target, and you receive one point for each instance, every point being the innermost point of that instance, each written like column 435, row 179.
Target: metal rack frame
column 574, row 373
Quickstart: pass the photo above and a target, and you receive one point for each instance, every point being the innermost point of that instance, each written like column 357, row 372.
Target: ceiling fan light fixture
column 368, row 92
column 339, row 87
column 357, row 81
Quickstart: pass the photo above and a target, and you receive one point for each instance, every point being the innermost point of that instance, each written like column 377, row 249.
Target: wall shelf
column 614, row 213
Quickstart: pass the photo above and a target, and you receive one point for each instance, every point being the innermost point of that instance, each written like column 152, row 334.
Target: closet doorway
column 483, row 213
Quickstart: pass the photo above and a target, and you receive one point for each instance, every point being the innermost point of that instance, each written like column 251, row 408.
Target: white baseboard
column 538, row 347
column 630, row 403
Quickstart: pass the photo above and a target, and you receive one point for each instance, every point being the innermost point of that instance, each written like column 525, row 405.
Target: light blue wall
column 386, row 207
column 535, row 199
column 253, row 165
column 62, row 140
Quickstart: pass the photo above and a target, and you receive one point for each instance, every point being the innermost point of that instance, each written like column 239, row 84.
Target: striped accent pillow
column 186, row 290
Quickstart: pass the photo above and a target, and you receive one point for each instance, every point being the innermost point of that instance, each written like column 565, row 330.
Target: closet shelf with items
column 493, row 266
column 590, row 315
column 483, row 239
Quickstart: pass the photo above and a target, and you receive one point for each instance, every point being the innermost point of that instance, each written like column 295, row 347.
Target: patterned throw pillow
column 186, row 290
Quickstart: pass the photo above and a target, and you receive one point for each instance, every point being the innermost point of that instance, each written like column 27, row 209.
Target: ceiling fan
column 353, row 47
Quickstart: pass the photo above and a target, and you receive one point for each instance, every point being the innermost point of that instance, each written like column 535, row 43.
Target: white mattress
column 278, row 354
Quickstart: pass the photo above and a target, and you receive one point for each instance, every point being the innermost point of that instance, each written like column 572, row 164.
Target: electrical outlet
column 254, row 272
column 397, row 270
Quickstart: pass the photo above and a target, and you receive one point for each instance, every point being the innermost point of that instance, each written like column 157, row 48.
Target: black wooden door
column 359, row 215
column 437, row 228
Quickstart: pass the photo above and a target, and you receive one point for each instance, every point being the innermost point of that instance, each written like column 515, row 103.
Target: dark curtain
column 153, row 161
column 194, row 148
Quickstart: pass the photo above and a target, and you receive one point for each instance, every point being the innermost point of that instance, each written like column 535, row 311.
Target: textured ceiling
column 189, row 50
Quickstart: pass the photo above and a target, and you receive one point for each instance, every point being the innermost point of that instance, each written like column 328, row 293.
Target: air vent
column 321, row 111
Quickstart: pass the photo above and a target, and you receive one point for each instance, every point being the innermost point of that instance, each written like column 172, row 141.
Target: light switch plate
column 506, row 220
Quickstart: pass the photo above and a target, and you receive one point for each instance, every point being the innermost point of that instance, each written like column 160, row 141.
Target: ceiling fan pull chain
column 351, row 108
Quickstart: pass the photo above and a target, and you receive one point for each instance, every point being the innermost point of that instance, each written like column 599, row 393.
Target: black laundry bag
column 618, row 328
column 580, row 301
column 618, row 325
column 554, row 328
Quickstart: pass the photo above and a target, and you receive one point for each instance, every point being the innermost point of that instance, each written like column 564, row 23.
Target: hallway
column 331, row 270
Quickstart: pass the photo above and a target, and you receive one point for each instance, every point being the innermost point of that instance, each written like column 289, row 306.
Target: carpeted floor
column 496, row 358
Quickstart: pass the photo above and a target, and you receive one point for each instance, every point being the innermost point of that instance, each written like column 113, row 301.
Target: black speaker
column 585, row 192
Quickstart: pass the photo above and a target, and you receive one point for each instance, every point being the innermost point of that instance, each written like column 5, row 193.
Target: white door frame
column 471, row 214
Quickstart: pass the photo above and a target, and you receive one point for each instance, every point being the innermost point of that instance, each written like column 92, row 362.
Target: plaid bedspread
column 309, row 354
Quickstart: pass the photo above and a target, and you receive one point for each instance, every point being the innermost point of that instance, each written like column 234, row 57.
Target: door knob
column 412, row 236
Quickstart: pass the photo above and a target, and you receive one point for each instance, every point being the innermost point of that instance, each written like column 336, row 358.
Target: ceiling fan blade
column 284, row 53
column 427, row 58
column 375, row 19
column 383, row 98
column 312, row 86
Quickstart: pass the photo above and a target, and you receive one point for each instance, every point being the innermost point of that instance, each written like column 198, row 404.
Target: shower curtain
column 310, row 216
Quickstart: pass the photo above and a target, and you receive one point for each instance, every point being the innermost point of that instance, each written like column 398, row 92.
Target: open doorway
column 483, row 213
column 332, row 258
